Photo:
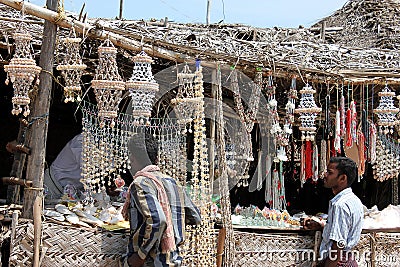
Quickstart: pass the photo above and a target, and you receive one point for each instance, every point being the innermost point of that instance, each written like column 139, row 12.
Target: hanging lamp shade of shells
column 386, row 111
column 71, row 68
column 187, row 102
column 142, row 88
column 107, row 84
column 308, row 111
column 22, row 71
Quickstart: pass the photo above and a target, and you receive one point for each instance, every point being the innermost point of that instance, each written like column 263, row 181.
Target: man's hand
column 310, row 224
column 135, row 261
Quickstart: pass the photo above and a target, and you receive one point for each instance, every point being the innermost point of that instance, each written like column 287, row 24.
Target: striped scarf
column 168, row 237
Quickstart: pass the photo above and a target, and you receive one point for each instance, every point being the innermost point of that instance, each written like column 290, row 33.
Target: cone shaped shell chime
column 22, row 71
column 107, row 84
column 72, row 68
column 142, row 88
column 187, row 102
column 308, row 111
column 386, row 111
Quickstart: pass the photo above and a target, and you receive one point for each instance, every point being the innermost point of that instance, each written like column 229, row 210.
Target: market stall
column 223, row 121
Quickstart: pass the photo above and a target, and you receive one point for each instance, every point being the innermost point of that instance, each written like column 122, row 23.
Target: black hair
column 346, row 166
column 144, row 147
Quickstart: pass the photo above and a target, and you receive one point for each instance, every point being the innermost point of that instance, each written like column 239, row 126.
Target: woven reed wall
column 68, row 246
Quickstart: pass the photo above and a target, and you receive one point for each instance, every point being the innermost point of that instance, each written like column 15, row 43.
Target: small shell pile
column 387, row 162
column 84, row 216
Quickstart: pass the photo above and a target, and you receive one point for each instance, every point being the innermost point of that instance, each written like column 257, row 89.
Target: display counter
column 274, row 246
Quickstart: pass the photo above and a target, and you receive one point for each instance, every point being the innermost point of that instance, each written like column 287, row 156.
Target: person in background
column 157, row 208
column 345, row 215
column 65, row 171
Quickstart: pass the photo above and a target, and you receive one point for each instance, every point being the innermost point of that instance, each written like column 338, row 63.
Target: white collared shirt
column 344, row 224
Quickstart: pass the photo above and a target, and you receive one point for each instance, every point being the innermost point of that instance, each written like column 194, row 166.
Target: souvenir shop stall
column 232, row 107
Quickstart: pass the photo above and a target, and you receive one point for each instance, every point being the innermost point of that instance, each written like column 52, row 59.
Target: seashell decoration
column 386, row 111
column 308, row 111
column 22, row 71
column 142, row 88
column 72, row 67
column 387, row 159
column 107, row 84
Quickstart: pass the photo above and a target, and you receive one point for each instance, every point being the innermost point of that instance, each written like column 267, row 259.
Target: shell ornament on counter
column 22, row 71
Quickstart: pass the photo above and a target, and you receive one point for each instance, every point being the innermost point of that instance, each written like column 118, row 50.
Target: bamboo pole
column 39, row 117
column 37, row 229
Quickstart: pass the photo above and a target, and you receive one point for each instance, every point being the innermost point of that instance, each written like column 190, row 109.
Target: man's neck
column 338, row 190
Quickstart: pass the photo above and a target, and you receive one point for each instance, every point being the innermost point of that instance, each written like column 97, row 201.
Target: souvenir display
column 186, row 103
column 71, row 67
column 386, row 111
column 107, row 84
column 142, row 88
column 387, row 158
column 308, row 111
column 22, row 71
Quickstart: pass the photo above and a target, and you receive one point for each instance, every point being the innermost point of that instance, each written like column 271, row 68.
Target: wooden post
column 323, row 27
column 208, row 12
column 40, row 117
column 212, row 126
column 37, row 229
column 121, row 8
column 13, row 191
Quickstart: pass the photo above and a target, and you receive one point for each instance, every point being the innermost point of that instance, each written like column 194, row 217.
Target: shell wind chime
column 386, row 111
column 107, row 84
column 387, row 159
column 22, row 71
column 142, row 88
column 308, row 111
column 72, row 68
column 187, row 103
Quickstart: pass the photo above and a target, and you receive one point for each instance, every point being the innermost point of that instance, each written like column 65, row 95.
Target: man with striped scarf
column 157, row 208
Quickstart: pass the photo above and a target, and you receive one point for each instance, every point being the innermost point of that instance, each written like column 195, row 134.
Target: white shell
column 72, row 218
column 51, row 213
column 63, row 209
column 59, row 218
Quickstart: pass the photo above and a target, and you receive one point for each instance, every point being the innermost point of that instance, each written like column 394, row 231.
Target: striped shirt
column 344, row 224
column 148, row 221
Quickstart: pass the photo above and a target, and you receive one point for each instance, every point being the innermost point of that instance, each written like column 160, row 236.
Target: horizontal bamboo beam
column 15, row 181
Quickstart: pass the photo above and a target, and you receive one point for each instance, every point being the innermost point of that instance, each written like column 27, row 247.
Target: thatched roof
column 283, row 50
column 365, row 24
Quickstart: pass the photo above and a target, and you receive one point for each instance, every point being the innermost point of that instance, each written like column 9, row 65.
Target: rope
column 60, row 12
column 40, row 117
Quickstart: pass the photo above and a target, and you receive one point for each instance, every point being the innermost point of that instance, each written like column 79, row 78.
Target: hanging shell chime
column 107, row 84
column 386, row 111
column 142, row 88
column 22, row 71
column 308, row 111
column 187, row 102
column 72, row 68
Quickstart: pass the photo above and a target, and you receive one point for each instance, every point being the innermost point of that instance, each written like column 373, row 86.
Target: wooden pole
column 39, row 117
column 208, row 12
column 323, row 30
column 37, row 229
column 121, row 7
column 13, row 191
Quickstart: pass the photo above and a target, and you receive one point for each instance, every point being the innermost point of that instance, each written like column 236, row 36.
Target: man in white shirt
column 345, row 216
column 65, row 169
